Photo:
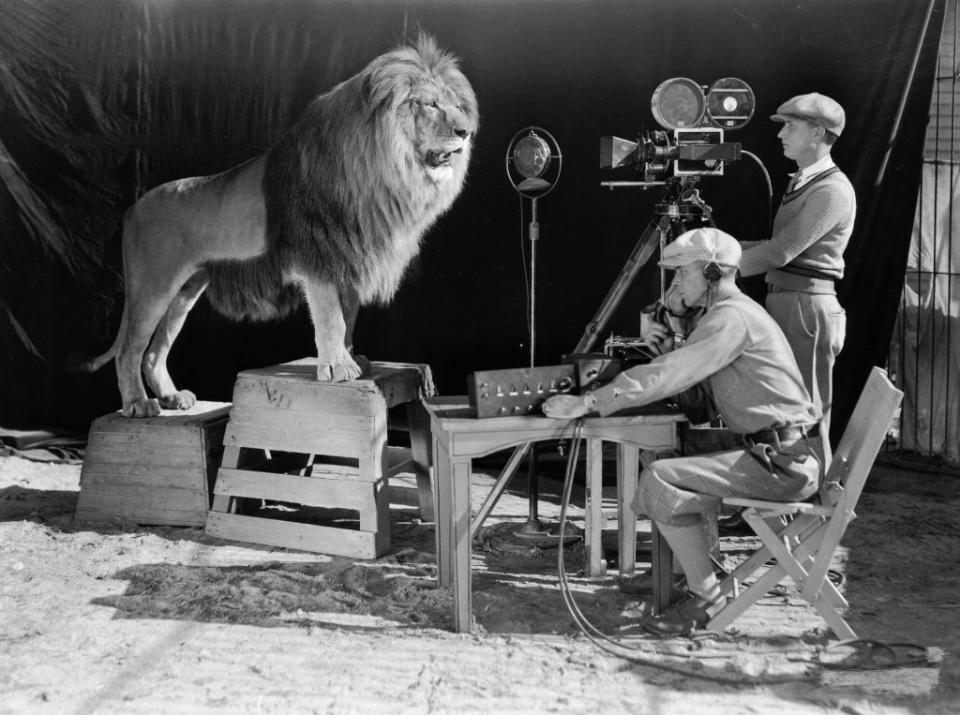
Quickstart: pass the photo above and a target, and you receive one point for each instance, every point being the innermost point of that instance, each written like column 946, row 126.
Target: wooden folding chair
column 800, row 538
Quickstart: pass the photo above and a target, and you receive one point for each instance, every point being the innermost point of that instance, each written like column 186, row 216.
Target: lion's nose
column 462, row 133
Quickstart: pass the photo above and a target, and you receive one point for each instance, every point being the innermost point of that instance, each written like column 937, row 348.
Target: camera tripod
column 679, row 209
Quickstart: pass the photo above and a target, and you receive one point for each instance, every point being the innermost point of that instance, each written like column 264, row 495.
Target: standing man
column 741, row 356
column 804, row 256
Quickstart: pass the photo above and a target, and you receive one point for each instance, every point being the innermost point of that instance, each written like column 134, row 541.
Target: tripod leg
column 646, row 245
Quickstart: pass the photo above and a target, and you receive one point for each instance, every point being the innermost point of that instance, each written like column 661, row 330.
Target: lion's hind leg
column 155, row 359
column 334, row 361
column 154, row 275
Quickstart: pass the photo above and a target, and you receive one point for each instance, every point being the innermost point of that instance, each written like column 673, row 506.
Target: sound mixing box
column 521, row 391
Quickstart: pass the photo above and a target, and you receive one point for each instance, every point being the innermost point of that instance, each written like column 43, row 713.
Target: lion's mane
column 346, row 198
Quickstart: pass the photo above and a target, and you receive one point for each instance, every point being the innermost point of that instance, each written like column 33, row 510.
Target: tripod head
column 681, row 202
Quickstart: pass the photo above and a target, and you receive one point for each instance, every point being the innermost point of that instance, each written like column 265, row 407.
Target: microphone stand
column 533, row 527
column 533, row 533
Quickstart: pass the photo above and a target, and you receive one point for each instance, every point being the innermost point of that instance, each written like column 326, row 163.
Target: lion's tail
column 77, row 362
column 251, row 290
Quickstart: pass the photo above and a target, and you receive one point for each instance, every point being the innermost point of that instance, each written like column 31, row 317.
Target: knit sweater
column 810, row 231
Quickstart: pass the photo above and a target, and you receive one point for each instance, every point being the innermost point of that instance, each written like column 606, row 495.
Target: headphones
column 713, row 271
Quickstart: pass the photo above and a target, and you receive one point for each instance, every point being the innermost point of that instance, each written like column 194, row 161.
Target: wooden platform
column 317, row 444
column 156, row 470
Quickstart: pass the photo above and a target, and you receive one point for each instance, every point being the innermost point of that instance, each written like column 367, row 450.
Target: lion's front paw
column 142, row 408
column 340, row 371
column 179, row 400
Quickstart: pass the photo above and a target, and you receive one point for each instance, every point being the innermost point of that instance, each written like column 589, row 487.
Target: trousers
column 815, row 325
column 681, row 491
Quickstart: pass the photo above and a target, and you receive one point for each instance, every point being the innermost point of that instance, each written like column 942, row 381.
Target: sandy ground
column 110, row 617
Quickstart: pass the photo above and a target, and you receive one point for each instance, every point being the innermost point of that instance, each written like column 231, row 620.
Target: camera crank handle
column 693, row 196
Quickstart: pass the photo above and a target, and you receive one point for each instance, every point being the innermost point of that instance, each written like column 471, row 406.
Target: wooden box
column 335, row 437
column 284, row 407
column 155, row 470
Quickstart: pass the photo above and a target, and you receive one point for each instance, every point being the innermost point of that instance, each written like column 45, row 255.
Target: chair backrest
column 851, row 464
column 861, row 441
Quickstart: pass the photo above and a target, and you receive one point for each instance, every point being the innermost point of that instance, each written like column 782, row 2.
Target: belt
column 806, row 272
column 783, row 435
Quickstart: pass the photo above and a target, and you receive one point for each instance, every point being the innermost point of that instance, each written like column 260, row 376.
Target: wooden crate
column 338, row 432
column 155, row 470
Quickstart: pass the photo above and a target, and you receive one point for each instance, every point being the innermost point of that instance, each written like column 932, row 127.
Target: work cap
column 817, row 108
column 702, row 244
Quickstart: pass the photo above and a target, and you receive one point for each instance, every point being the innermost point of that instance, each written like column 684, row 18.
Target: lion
column 334, row 212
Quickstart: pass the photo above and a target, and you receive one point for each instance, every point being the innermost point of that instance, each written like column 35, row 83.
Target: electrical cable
column 523, row 262
column 766, row 176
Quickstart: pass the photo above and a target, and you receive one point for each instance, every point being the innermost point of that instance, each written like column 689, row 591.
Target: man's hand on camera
column 659, row 338
column 568, row 407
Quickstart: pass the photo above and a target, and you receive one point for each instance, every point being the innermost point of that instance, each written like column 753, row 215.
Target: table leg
column 418, row 422
column 662, row 565
column 593, row 511
column 462, row 542
column 628, row 469
column 443, row 496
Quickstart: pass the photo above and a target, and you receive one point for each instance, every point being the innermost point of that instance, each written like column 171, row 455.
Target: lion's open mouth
column 437, row 158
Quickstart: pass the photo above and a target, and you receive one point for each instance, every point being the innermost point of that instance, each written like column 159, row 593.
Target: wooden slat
column 331, row 471
column 309, row 491
column 290, row 535
column 144, row 497
column 170, row 457
column 164, row 517
column 278, row 437
column 158, row 441
column 102, row 476
column 300, row 419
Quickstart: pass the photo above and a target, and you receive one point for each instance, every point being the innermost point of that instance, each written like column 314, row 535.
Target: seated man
column 746, row 364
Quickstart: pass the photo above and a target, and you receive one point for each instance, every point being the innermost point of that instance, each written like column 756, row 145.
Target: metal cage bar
column 924, row 360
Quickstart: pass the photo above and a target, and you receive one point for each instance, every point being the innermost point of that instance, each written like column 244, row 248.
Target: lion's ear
column 366, row 87
column 379, row 88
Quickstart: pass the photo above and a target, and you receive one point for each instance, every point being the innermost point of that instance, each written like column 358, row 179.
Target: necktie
column 794, row 180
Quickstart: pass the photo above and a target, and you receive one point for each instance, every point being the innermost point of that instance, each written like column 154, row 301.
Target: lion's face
column 440, row 125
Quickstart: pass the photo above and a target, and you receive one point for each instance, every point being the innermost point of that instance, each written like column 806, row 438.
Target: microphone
column 533, row 161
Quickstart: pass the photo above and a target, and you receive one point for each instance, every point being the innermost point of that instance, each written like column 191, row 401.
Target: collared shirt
column 820, row 165
column 744, row 358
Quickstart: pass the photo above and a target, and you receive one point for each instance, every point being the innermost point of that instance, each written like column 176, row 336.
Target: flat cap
column 815, row 107
column 702, row 244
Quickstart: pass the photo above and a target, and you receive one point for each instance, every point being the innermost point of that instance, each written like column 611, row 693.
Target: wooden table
column 459, row 437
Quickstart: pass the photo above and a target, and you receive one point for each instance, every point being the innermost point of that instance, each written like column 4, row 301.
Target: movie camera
column 691, row 143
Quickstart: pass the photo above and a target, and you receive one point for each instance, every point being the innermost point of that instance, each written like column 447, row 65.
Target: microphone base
column 530, row 538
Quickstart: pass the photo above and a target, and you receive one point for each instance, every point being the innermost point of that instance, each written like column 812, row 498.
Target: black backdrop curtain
column 103, row 99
